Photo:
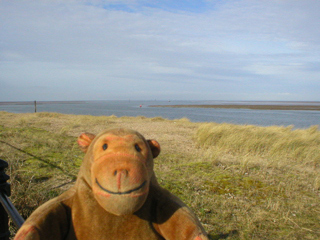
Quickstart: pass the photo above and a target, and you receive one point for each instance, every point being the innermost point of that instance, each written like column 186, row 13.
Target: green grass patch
column 39, row 162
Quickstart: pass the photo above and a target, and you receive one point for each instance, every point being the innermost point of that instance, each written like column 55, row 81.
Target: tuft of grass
column 48, row 114
column 183, row 120
column 277, row 145
column 158, row 119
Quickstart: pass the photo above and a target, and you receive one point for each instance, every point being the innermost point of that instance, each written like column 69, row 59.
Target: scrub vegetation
column 242, row 181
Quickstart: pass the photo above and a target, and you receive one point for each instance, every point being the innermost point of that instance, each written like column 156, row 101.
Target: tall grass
column 282, row 146
column 269, row 179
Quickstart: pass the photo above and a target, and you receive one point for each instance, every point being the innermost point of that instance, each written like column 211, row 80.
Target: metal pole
column 6, row 206
column 11, row 210
column 4, row 187
column 4, row 228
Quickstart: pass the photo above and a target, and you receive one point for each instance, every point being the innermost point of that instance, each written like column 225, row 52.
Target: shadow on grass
column 73, row 177
column 224, row 235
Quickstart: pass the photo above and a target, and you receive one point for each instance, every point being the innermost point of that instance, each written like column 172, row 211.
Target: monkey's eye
column 105, row 146
column 137, row 148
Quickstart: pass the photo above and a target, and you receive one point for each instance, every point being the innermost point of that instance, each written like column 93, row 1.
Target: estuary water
column 297, row 118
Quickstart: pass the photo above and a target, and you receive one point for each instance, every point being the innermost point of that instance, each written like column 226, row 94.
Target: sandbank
column 242, row 106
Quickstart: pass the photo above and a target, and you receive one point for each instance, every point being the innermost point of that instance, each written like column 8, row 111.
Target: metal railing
column 6, row 207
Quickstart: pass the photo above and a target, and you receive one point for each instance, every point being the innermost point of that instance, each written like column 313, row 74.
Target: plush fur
column 116, row 196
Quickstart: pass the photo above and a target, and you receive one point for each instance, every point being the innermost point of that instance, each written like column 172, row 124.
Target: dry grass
column 276, row 145
column 267, row 177
column 244, row 182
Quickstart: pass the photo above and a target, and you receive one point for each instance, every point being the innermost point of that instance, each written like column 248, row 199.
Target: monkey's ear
column 155, row 147
column 84, row 141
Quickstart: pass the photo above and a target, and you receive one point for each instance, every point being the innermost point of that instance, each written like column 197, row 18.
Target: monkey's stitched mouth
column 121, row 193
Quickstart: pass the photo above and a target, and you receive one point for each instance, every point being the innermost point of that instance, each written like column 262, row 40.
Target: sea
column 294, row 118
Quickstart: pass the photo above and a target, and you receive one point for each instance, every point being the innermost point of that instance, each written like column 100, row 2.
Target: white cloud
column 225, row 47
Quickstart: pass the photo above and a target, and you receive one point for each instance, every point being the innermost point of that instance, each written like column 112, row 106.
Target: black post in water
column 35, row 106
column 4, row 189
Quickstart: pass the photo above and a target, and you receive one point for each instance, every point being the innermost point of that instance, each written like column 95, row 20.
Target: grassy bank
column 244, row 182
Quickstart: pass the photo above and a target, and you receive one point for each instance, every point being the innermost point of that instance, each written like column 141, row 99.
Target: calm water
column 300, row 119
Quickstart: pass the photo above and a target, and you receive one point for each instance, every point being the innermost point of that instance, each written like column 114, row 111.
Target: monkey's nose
column 122, row 172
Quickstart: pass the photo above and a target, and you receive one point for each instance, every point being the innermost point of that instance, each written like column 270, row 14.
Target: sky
column 252, row 50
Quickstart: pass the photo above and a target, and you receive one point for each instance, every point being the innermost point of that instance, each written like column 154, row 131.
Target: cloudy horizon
column 178, row 50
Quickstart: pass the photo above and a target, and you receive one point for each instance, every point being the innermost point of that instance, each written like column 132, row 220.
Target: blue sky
column 183, row 50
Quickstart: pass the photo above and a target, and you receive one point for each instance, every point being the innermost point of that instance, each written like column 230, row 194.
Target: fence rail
column 6, row 207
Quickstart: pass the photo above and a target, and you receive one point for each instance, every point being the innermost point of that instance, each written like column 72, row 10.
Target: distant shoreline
column 40, row 102
column 255, row 107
